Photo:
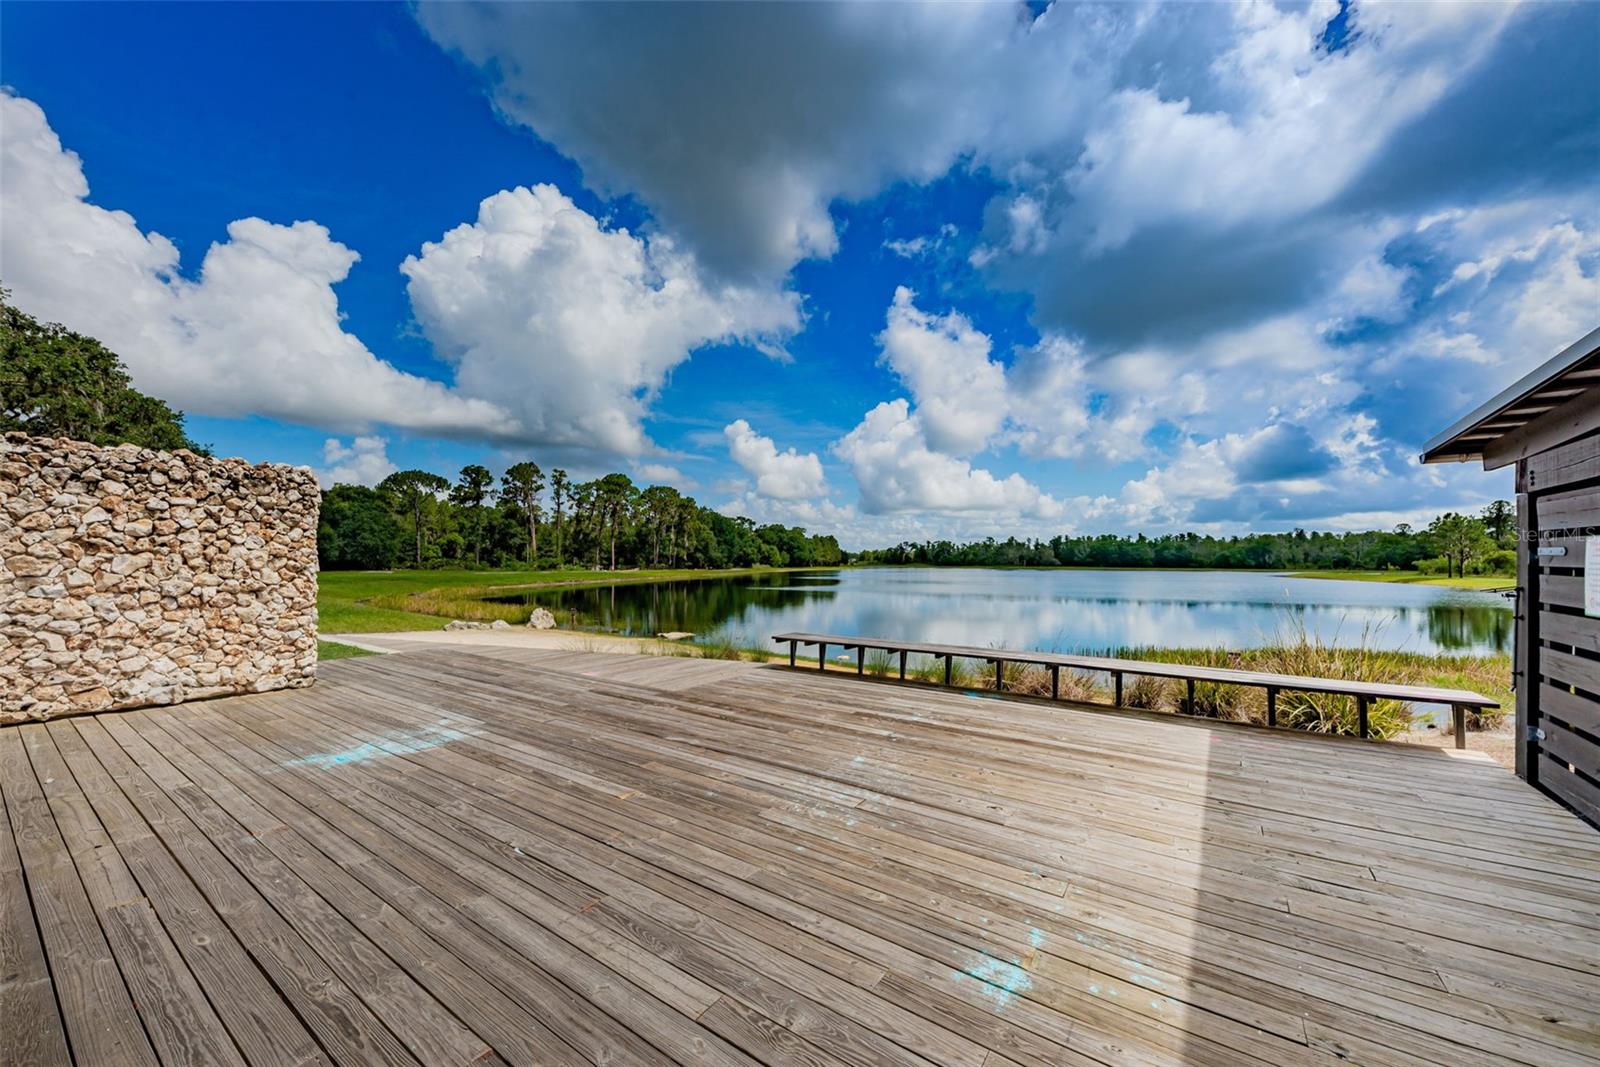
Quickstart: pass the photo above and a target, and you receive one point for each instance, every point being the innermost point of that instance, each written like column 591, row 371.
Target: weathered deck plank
column 481, row 855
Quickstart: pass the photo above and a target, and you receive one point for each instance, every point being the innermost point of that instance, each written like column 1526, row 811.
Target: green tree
column 412, row 491
column 521, row 484
column 1460, row 540
column 559, row 497
column 56, row 383
column 659, row 506
column 1500, row 520
column 356, row 530
column 473, row 489
column 614, row 496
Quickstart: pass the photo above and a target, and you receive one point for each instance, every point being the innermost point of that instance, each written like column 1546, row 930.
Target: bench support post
column 999, row 675
column 1272, row 705
column 1116, row 687
column 1458, row 712
column 902, row 664
column 948, row 662
column 1055, row 682
column 861, row 659
column 1361, row 715
column 794, row 647
column 822, row 656
column 1189, row 706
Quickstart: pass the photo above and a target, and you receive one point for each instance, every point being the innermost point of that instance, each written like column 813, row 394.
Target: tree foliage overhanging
column 57, row 383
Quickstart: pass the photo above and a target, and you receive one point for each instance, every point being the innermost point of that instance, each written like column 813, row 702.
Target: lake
column 1053, row 610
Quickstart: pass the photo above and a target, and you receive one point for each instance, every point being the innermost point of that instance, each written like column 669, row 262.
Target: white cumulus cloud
column 258, row 332
column 572, row 324
column 896, row 470
column 786, row 475
column 364, row 461
column 960, row 392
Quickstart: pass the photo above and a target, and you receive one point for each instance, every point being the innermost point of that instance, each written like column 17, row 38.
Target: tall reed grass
column 1301, row 653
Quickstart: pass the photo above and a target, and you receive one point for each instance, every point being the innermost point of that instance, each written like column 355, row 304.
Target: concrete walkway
column 516, row 637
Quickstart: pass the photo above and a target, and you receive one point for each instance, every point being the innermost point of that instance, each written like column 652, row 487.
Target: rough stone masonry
column 132, row 577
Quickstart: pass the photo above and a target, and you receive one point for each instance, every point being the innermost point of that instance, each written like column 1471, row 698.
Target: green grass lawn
column 1471, row 581
column 327, row 650
column 364, row 602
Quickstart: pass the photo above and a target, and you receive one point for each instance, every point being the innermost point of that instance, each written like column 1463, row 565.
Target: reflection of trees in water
column 701, row 607
column 749, row 609
column 1453, row 627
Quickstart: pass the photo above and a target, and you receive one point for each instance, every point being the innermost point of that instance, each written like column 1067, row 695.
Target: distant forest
column 1451, row 544
column 419, row 519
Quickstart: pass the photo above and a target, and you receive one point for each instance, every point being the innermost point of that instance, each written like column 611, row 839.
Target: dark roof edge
column 1528, row 383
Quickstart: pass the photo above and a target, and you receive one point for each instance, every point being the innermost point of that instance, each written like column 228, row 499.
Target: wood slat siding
column 1562, row 590
column 1574, row 709
column 561, row 858
column 1558, row 646
column 1558, row 778
column 1571, row 748
column 1526, row 621
column 1573, row 631
column 1574, row 510
column 1566, row 669
column 1576, row 461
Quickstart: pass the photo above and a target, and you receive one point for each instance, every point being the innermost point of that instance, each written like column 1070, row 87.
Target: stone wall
column 131, row 577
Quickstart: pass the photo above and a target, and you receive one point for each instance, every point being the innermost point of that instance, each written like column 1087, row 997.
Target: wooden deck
column 485, row 855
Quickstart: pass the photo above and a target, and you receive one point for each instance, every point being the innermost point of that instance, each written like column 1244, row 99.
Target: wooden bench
column 1363, row 692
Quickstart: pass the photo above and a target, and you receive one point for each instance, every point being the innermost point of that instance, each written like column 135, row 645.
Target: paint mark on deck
column 394, row 743
column 1000, row 981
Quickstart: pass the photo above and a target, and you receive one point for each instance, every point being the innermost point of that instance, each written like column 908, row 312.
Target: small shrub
column 880, row 663
column 1083, row 687
column 1500, row 561
column 1145, row 691
column 1217, row 700
column 720, row 646
column 1025, row 680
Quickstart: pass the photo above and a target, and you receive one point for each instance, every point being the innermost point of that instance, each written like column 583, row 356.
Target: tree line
column 416, row 518
column 1451, row 545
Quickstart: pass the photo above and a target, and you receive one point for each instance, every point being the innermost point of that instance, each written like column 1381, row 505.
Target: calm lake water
column 1052, row 610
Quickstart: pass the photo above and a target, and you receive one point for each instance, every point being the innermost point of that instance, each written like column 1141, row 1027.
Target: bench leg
column 902, row 665
column 794, row 648
column 861, row 660
column 999, row 675
column 822, row 656
column 1361, row 716
column 948, row 664
column 1189, row 707
column 1459, row 714
column 1055, row 683
column 1116, row 689
column 1272, row 705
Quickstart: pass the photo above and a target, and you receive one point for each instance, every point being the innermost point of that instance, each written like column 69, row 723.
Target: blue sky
column 886, row 271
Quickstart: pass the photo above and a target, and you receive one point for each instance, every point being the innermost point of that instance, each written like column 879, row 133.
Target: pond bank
column 1489, row 583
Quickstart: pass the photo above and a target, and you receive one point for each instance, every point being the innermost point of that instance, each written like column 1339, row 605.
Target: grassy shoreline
column 1482, row 582
column 351, row 602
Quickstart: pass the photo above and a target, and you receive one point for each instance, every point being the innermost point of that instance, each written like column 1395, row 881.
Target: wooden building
column 1548, row 424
